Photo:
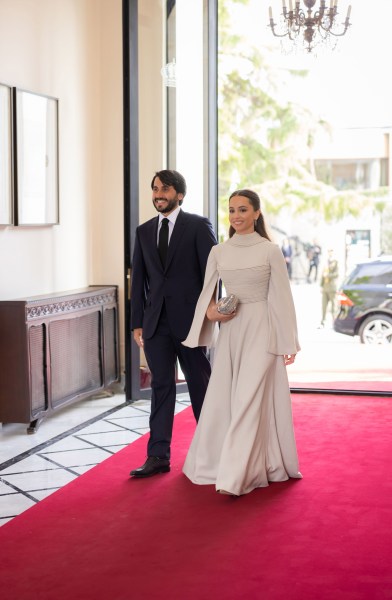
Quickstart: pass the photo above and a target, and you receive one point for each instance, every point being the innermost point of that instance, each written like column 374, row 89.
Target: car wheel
column 376, row 329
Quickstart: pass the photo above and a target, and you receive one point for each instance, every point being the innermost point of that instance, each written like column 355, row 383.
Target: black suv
column 365, row 302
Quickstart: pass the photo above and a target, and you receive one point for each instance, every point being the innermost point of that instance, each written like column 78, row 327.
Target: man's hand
column 138, row 337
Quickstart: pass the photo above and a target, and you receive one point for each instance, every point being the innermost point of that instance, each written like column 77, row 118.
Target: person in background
column 328, row 284
column 288, row 256
column 314, row 261
column 245, row 436
column 169, row 262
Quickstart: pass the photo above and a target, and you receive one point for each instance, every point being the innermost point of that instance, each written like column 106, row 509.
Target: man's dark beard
column 171, row 205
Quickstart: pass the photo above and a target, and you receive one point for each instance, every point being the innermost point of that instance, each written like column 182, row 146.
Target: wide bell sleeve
column 204, row 332
column 283, row 334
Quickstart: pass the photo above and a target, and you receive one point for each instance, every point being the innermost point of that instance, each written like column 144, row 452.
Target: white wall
column 70, row 49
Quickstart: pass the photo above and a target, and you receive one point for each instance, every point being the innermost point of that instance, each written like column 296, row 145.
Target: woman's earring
column 255, row 223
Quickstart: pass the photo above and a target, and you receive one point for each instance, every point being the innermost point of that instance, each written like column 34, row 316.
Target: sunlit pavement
column 327, row 356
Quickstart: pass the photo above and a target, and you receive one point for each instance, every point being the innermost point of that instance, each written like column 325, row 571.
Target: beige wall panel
column 70, row 49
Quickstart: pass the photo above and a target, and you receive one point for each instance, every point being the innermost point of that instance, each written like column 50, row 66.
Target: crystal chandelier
column 315, row 27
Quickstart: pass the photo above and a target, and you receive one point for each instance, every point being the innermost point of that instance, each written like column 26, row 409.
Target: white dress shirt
column 172, row 221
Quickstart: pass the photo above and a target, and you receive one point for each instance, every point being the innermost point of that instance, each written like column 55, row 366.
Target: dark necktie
column 163, row 240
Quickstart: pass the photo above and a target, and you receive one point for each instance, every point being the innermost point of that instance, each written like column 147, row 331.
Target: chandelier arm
column 339, row 34
column 272, row 25
column 345, row 24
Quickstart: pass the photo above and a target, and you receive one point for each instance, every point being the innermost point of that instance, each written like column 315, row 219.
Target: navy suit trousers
column 162, row 351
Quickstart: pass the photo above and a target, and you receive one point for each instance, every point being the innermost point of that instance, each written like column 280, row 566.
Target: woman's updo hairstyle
column 255, row 202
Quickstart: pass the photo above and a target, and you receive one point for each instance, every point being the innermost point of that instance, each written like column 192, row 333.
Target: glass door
column 311, row 133
column 169, row 62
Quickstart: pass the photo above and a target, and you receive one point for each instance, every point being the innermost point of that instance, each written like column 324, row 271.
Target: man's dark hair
column 171, row 177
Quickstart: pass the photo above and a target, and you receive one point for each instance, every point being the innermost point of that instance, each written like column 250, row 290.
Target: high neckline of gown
column 246, row 239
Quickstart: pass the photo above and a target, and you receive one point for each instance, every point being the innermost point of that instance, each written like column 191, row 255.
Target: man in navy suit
column 169, row 262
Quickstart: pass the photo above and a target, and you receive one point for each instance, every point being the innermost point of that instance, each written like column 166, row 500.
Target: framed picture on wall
column 6, row 213
column 36, row 170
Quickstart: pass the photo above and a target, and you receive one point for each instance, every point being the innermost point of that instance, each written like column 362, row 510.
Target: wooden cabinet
column 55, row 350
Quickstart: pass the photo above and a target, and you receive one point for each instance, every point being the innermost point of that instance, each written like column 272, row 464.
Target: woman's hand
column 213, row 314
column 289, row 359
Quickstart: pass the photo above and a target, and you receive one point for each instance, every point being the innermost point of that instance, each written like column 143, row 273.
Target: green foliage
column 263, row 136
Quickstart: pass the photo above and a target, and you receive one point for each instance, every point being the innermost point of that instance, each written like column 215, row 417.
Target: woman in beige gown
column 245, row 436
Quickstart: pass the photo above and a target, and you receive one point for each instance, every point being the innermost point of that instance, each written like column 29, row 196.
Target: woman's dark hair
column 171, row 177
column 255, row 202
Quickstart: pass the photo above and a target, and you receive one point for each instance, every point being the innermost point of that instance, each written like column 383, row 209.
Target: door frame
column 131, row 163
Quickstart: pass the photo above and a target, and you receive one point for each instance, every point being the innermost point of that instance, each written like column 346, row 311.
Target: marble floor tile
column 101, row 426
column 66, row 445
column 78, row 458
column 141, row 430
column 39, row 480
column 12, row 506
column 13, row 437
column 130, row 411
column 41, row 494
column 5, row 489
column 115, row 449
column 84, row 468
column 109, row 438
column 133, row 422
column 69, row 443
column 32, row 463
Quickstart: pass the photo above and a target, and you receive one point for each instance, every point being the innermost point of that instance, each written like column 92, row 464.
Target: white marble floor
column 66, row 445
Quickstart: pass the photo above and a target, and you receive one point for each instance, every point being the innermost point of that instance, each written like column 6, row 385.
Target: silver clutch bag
column 227, row 305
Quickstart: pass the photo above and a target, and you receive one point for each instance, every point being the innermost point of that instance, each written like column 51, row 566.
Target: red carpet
column 381, row 387
column 328, row 536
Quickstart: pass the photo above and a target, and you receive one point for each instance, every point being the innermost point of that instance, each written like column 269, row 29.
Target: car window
column 376, row 274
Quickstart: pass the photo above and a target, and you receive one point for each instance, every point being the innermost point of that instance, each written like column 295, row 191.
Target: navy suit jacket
column 178, row 284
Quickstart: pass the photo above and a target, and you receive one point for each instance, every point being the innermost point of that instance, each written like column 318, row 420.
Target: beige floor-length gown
column 245, row 436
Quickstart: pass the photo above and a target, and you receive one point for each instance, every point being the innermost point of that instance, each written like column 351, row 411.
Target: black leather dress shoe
column 152, row 466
